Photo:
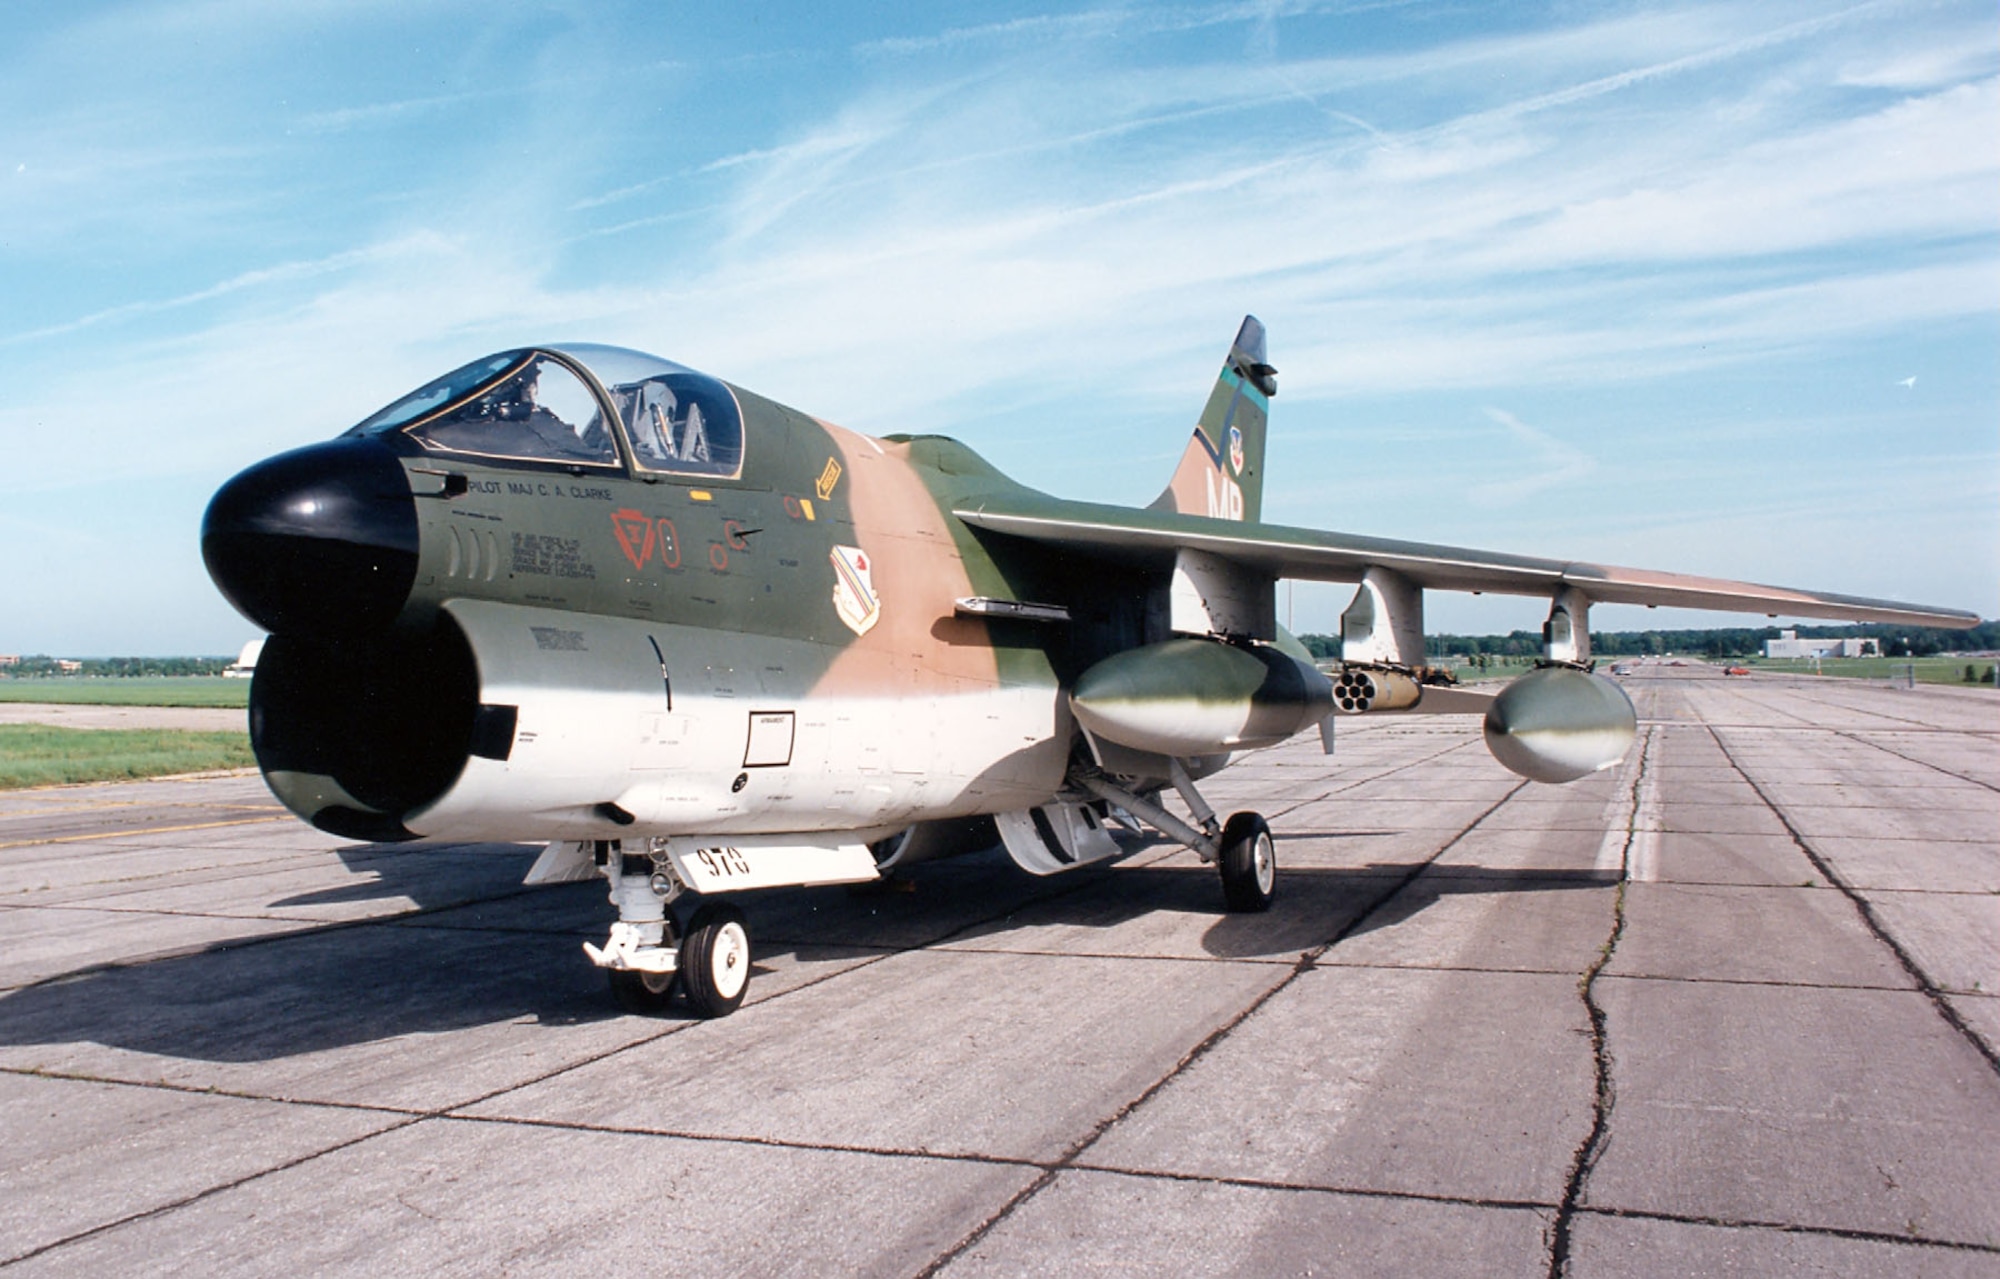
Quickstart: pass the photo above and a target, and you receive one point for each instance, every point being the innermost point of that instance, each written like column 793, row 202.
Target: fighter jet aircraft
column 700, row 642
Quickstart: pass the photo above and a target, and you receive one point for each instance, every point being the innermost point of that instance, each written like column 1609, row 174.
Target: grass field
column 1502, row 668
column 1930, row 670
column 39, row 755
column 161, row 690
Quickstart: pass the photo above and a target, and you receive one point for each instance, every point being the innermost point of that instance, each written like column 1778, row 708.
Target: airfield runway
column 1731, row 1009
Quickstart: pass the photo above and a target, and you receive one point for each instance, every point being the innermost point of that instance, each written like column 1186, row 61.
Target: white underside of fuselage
column 742, row 746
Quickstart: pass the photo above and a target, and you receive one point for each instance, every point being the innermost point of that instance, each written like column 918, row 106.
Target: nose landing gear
column 646, row 957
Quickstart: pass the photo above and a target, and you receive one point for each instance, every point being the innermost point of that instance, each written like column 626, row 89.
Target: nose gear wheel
column 715, row 960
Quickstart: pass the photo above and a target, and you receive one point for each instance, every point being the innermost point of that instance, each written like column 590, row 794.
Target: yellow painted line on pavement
column 103, row 836
column 55, row 804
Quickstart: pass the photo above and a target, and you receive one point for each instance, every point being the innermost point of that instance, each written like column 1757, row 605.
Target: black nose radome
column 321, row 541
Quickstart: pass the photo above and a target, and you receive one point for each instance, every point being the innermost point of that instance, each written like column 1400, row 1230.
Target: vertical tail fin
column 1222, row 472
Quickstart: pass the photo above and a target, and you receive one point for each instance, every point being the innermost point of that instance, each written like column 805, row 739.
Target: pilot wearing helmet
column 531, row 429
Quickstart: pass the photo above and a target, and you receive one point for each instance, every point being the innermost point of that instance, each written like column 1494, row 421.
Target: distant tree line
column 42, row 665
column 1728, row 641
column 1725, row 641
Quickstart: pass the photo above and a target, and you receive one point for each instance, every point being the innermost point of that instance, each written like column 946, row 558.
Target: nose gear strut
column 647, row 957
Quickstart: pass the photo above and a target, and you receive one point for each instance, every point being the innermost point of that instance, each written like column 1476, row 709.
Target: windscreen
column 522, row 405
column 449, row 389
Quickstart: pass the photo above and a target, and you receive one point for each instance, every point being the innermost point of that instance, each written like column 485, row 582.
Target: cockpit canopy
column 548, row 405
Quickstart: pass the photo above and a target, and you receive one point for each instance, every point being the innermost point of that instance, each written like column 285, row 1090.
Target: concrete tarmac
column 63, row 715
column 1731, row 1008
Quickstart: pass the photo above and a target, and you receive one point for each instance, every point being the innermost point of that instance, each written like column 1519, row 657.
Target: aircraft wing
column 1153, row 536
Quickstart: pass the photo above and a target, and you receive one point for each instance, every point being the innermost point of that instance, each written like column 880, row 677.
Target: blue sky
column 1705, row 288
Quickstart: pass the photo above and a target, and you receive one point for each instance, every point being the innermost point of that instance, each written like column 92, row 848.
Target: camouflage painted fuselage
column 596, row 651
column 776, row 652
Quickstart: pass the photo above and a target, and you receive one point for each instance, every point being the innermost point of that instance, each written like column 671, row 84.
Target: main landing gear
column 1241, row 848
column 1249, row 863
column 647, row 958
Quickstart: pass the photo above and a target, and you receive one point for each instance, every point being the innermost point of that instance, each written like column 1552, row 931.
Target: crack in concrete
column 1869, row 919
column 1359, row 782
column 932, row 1156
column 206, row 1090
column 1912, row 759
column 1731, row 884
column 451, row 1115
column 1904, row 725
column 1032, row 952
column 310, row 928
column 147, row 882
column 1896, row 724
column 1071, row 1158
column 1661, row 978
column 1792, row 1228
column 1307, row 961
column 1604, row 1096
column 156, row 881
column 1808, row 726
column 410, row 1116
column 1771, row 983
column 208, row 1193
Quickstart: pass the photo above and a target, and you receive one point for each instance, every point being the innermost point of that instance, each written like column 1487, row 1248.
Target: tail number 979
column 723, row 863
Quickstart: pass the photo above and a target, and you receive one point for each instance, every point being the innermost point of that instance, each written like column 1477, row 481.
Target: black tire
column 715, row 960
column 1249, row 863
column 647, row 994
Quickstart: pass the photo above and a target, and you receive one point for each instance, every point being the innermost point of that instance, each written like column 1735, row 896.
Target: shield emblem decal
column 854, row 595
column 1236, row 448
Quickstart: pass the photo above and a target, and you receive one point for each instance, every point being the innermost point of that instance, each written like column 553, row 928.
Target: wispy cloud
column 1549, row 463
column 262, row 278
column 400, row 111
column 1037, row 28
column 1924, row 67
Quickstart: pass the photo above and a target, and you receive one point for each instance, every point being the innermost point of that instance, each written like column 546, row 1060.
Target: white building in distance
column 246, row 661
column 1788, row 644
